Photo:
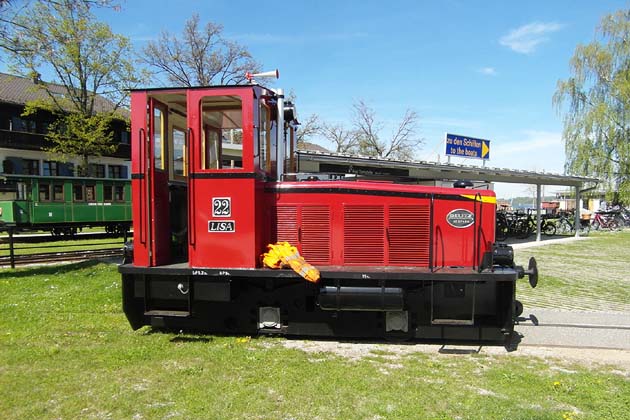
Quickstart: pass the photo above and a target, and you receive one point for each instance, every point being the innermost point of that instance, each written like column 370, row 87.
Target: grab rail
column 143, row 181
column 191, row 189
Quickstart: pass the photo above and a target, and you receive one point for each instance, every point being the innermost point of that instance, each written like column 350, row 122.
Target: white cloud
column 488, row 71
column 527, row 38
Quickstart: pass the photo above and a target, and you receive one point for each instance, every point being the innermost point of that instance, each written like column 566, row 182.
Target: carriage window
column 44, row 192
column 108, row 193
column 90, row 194
column 119, row 193
column 57, row 192
column 222, row 133
column 77, row 192
column 179, row 152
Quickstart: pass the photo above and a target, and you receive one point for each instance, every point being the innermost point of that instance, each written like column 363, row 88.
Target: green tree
column 597, row 98
column 92, row 68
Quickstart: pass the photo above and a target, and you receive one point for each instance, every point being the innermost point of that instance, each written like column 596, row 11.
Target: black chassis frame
column 443, row 305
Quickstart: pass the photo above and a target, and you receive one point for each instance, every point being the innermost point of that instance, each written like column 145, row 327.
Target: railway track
column 53, row 257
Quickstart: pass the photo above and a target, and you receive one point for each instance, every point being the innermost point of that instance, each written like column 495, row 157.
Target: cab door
column 149, row 181
column 157, row 180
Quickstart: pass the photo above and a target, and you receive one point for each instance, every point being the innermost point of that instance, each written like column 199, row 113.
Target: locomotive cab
column 200, row 157
column 209, row 194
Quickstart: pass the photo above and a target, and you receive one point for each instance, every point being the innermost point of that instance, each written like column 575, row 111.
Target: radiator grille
column 408, row 235
column 316, row 234
column 285, row 224
column 363, row 235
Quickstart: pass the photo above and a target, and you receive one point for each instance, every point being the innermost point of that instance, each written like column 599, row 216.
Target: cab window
column 222, row 132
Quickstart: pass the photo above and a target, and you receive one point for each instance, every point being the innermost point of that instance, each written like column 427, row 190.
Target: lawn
column 66, row 352
column 587, row 275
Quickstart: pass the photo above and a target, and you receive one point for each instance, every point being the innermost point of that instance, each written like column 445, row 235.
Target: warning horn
column 273, row 73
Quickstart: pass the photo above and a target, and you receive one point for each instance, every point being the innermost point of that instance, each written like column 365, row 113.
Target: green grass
column 66, row 352
column 589, row 275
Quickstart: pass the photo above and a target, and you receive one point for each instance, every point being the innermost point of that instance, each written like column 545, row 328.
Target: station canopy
column 440, row 171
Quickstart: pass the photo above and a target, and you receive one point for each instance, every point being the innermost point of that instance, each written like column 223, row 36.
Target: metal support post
column 578, row 210
column 538, row 206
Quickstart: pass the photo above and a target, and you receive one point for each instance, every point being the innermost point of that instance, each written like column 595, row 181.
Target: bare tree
column 310, row 127
column 345, row 141
column 401, row 145
column 199, row 57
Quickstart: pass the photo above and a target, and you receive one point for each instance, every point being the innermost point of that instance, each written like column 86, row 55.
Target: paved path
column 548, row 327
column 531, row 242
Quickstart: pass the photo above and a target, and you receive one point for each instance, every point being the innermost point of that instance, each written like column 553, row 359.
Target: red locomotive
column 214, row 182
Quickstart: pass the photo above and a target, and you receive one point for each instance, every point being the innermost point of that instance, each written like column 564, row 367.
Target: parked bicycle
column 521, row 225
column 565, row 225
column 606, row 220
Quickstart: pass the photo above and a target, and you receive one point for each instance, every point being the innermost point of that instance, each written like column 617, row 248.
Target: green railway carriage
column 64, row 204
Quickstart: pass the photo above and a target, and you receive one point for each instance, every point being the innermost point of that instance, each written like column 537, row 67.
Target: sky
column 485, row 69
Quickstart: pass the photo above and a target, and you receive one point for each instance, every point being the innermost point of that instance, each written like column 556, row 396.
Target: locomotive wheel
column 518, row 308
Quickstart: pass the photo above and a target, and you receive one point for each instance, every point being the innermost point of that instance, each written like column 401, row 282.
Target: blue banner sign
column 469, row 147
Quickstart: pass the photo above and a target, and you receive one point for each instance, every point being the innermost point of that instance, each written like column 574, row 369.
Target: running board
column 173, row 314
column 452, row 322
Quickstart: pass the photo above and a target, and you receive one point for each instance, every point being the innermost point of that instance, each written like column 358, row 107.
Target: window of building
column 30, row 167
column 22, row 124
column 50, row 168
column 77, row 192
column 58, row 192
column 90, row 193
column 96, row 170
column 117, row 171
column 124, row 137
column 44, row 192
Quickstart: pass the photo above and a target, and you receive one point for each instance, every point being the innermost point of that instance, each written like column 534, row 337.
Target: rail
column 51, row 257
column 41, row 248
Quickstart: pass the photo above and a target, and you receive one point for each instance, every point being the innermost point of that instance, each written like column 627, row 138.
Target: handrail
column 143, row 181
column 478, row 231
column 431, row 227
column 191, row 189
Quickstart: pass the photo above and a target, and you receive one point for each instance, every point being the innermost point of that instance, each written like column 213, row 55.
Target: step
column 174, row 314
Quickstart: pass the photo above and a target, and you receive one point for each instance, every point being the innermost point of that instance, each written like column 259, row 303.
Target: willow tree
column 91, row 68
column 596, row 99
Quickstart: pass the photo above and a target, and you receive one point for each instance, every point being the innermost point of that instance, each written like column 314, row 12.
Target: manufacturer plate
column 460, row 218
